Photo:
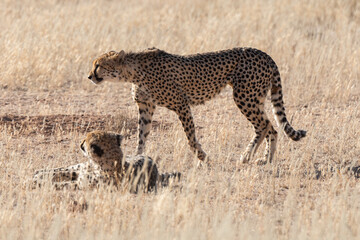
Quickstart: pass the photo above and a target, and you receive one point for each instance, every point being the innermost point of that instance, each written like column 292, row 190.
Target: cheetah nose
column 90, row 77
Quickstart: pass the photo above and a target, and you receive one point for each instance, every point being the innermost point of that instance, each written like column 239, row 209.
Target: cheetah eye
column 97, row 150
column 96, row 67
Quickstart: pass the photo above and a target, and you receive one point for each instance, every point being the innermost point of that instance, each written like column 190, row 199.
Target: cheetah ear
column 82, row 146
column 119, row 139
column 120, row 56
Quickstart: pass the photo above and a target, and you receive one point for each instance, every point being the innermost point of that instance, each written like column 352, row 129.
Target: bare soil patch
column 51, row 124
column 82, row 123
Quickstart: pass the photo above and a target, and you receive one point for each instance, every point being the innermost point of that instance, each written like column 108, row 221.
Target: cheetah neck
column 132, row 70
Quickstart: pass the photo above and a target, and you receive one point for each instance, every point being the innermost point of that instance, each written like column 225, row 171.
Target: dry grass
column 47, row 104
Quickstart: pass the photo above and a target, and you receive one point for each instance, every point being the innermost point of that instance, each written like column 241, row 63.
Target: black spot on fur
column 74, row 176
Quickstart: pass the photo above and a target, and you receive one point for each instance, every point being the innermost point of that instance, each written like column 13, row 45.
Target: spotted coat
column 106, row 164
column 178, row 82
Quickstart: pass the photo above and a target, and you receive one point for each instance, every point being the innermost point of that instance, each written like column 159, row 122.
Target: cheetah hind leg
column 256, row 116
column 253, row 146
column 261, row 125
column 271, row 140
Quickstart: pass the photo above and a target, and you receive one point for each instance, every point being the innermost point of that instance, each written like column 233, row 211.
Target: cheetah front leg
column 146, row 112
column 60, row 177
column 186, row 118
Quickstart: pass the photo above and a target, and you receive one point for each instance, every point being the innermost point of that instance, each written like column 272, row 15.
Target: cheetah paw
column 204, row 164
column 244, row 159
column 261, row 161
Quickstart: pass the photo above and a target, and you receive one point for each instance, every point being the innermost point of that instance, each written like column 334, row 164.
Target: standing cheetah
column 177, row 82
column 106, row 165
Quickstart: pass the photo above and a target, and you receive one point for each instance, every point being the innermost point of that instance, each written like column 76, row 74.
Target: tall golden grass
column 47, row 48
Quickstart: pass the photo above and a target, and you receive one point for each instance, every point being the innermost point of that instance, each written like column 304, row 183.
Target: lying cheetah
column 177, row 82
column 106, row 165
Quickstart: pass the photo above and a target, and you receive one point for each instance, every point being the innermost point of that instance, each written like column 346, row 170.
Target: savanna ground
column 47, row 105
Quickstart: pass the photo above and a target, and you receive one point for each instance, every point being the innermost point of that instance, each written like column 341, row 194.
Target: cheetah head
column 103, row 148
column 107, row 67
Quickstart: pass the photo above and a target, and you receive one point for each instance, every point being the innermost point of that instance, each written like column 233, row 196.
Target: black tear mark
column 118, row 138
column 97, row 150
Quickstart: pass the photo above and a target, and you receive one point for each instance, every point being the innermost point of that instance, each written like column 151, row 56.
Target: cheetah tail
column 279, row 109
column 164, row 178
